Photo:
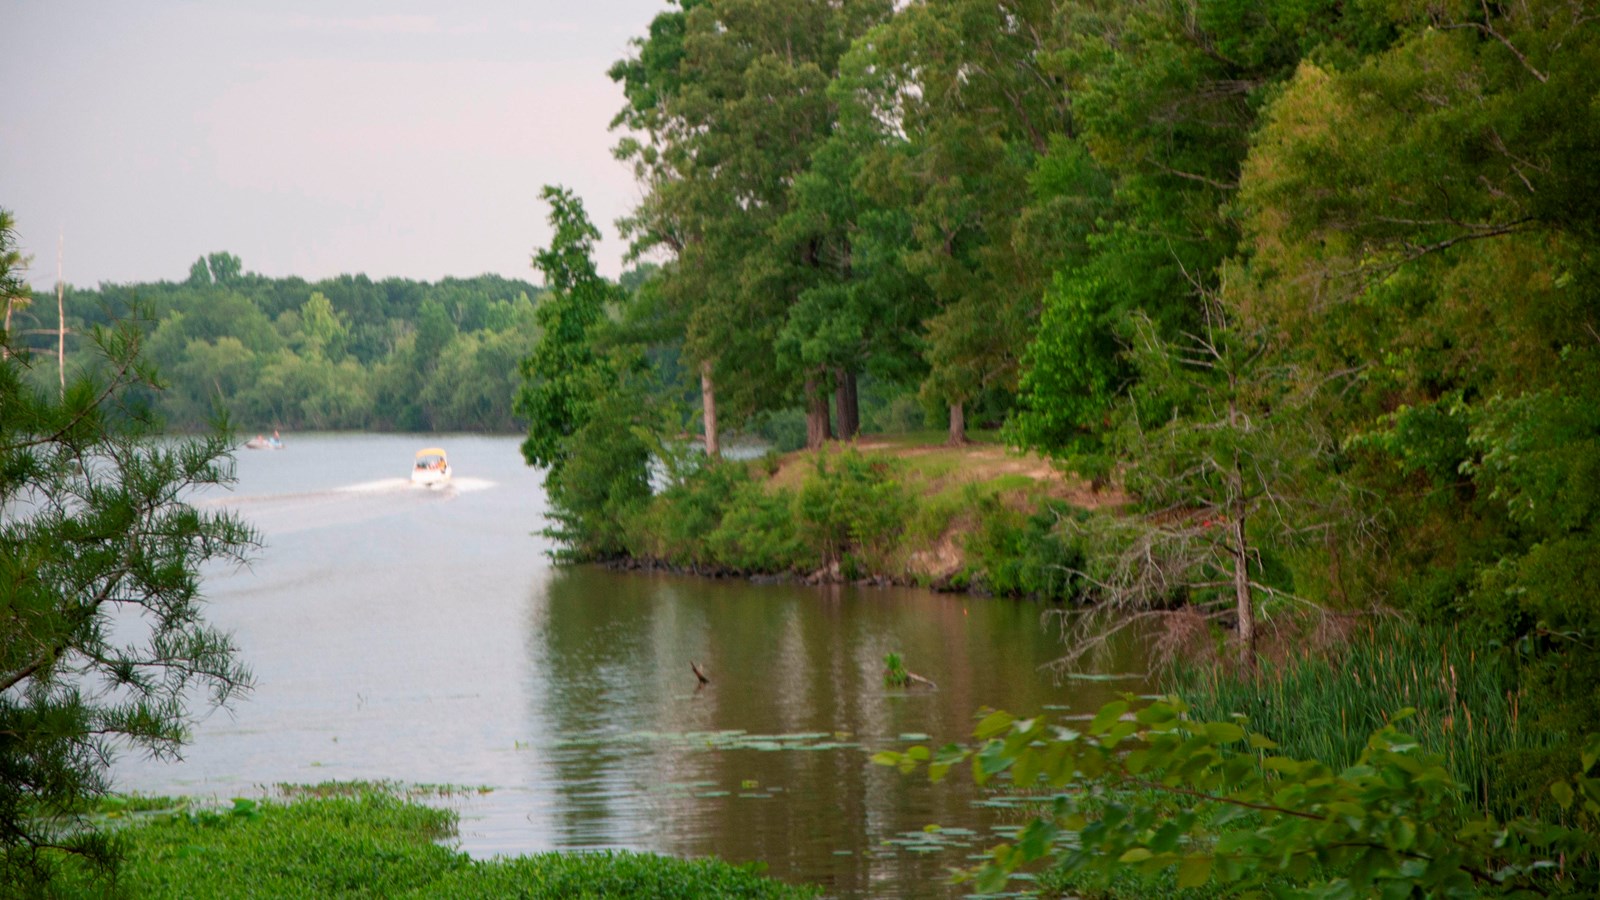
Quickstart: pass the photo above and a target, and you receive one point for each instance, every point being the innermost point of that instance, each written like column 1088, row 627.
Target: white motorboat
column 432, row 467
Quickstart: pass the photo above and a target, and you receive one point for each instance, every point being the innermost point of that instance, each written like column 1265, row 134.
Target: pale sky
column 308, row 137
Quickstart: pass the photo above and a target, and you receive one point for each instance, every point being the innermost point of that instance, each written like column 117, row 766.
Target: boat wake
column 405, row 485
column 347, row 504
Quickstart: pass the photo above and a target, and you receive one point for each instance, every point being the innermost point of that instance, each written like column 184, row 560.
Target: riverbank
column 366, row 840
column 906, row 510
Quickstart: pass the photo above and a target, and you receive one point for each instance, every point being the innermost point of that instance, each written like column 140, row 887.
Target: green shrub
column 601, row 483
column 1018, row 554
column 850, row 511
column 757, row 532
column 679, row 521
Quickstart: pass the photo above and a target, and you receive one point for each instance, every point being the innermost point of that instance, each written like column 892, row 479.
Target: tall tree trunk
column 817, row 428
column 958, row 425
column 1244, row 609
column 708, row 406
column 1241, row 589
column 846, row 404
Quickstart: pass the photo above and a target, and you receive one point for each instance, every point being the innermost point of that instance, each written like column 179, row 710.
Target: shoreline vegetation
column 903, row 510
column 360, row 839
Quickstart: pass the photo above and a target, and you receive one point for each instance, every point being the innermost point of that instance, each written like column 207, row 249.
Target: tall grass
column 1324, row 705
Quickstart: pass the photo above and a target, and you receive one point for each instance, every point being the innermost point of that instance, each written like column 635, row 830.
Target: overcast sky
column 308, row 138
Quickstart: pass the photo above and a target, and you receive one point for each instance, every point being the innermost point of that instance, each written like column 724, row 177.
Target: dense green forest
column 1314, row 283
column 343, row 353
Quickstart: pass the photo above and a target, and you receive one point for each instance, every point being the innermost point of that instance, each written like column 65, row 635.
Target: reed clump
column 1324, row 704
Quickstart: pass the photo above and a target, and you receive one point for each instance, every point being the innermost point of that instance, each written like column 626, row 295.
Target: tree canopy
column 105, row 637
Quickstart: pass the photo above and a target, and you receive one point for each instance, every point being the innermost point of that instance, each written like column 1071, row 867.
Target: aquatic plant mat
column 370, row 841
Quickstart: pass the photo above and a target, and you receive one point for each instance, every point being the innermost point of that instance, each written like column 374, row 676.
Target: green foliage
column 679, row 523
column 1020, row 554
column 707, row 91
column 341, row 353
column 563, row 370
column 1467, row 709
column 1072, row 371
column 1220, row 806
column 783, row 430
column 603, row 477
column 370, row 842
column 894, row 671
column 95, row 534
column 614, row 874
column 14, row 291
column 1315, row 282
column 759, row 532
column 585, row 401
column 850, row 509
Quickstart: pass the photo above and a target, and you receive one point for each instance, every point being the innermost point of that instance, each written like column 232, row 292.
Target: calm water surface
column 423, row 636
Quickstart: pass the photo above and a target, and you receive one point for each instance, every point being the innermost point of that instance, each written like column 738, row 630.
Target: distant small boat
column 264, row 443
column 432, row 467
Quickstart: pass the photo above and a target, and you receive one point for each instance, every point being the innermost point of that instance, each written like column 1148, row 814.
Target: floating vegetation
column 932, row 839
column 894, row 671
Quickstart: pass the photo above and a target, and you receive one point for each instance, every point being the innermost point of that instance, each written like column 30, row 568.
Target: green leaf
column 1224, row 732
column 1137, row 854
column 1562, row 791
column 991, row 879
column 1108, row 716
column 1262, row 742
column 1155, row 714
column 991, row 761
column 1194, row 871
column 993, row 724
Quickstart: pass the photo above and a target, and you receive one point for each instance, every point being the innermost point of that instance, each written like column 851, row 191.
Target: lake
column 424, row 636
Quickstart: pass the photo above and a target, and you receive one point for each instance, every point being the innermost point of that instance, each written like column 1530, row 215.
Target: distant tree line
column 340, row 353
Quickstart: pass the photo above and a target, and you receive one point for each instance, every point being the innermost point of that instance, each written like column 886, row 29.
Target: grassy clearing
column 367, row 841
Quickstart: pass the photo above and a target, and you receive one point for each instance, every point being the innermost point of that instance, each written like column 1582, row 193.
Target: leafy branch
column 1146, row 787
